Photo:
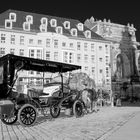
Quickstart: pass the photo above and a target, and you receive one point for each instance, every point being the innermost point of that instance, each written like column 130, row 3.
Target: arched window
column 119, row 67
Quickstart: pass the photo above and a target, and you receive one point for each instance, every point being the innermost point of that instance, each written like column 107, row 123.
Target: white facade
column 92, row 53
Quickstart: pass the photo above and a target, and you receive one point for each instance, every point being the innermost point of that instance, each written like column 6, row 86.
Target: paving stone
column 89, row 127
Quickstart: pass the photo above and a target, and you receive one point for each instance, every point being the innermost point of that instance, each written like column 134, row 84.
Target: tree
column 80, row 81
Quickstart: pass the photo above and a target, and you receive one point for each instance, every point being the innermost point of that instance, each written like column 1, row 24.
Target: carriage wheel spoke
column 27, row 115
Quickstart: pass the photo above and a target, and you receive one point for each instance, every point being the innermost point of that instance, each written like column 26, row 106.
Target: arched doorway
column 119, row 67
column 139, row 63
column 123, row 70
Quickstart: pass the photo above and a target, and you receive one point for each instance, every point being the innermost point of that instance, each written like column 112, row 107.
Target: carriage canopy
column 37, row 64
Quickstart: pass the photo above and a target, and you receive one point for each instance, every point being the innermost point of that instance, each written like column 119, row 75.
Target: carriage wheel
column 77, row 108
column 27, row 115
column 9, row 121
column 54, row 111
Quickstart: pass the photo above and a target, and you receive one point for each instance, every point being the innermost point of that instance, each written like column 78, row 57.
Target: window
column 86, row 58
column 107, row 72
column 106, row 49
column 65, row 57
column 39, row 42
column 92, row 58
column 12, row 51
column 78, row 45
column 43, row 25
column 3, row 38
column 100, row 48
column 80, row 26
column 12, row 17
column 31, row 81
column 92, row 47
column 8, row 24
column 68, row 57
column 38, row 82
column 26, row 26
column 86, row 68
column 53, row 22
column 107, row 81
column 2, row 52
column 47, row 55
column 88, row 34
column 21, row 40
column 107, row 60
column 67, row 25
column 39, row 54
column 31, row 41
column 38, row 73
column 85, row 46
column 32, row 53
column 12, row 39
column 71, row 45
column 78, row 58
column 43, row 28
column 64, row 44
column 100, row 59
column 59, row 30
column 71, row 57
column 31, row 72
column 44, row 21
column 21, row 52
column 74, row 32
column 93, row 70
column 29, row 19
column 48, row 41
column 56, row 56
column 55, row 43
column 101, row 71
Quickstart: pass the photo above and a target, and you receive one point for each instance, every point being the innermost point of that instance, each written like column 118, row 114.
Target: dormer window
column 80, row 26
column 88, row 34
column 26, row 26
column 59, row 30
column 74, row 32
column 44, row 21
column 53, row 23
column 8, row 24
column 67, row 24
column 12, row 17
column 29, row 19
column 43, row 28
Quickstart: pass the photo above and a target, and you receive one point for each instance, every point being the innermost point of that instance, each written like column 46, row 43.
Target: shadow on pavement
column 42, row 118
column 130, row 104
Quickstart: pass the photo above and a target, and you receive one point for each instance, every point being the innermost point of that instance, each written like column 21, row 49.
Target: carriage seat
column 49, row 91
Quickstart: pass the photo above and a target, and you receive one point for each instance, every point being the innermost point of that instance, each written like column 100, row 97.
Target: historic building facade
column 56, row 39
column 137, row 52
column 123, row 46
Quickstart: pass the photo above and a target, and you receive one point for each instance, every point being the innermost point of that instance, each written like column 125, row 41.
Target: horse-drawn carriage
column 24, row 107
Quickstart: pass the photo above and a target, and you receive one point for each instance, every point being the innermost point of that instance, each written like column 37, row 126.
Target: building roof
column 21, row 18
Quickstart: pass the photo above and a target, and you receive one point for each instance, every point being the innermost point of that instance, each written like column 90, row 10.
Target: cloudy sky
column 117, row 11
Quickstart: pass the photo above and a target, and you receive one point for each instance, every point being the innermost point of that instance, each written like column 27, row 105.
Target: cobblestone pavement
column 93, row 126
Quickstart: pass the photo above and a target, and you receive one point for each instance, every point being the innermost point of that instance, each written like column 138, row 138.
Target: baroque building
column 123, row 46
column 56, row 39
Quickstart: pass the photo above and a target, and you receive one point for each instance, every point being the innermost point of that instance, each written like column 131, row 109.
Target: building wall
column 92, row 53
column 123, row 46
